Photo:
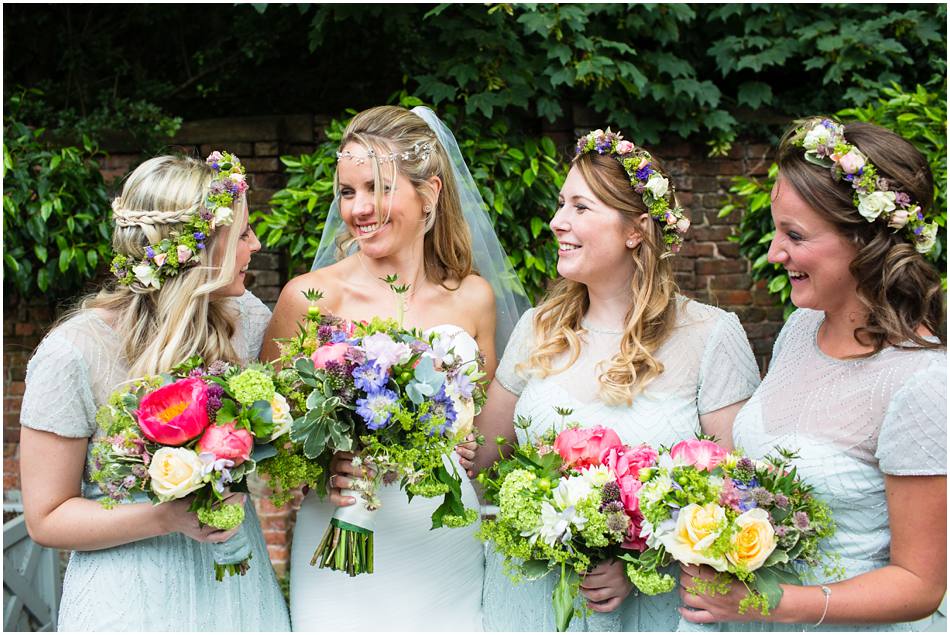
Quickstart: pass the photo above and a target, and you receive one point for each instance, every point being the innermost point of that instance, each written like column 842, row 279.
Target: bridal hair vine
column 419, row 151
column 824, row 144
column 646, row 180
column 181, row 249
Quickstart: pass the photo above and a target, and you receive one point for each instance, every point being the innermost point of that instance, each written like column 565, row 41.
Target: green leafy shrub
column 518, row 176
column 920, row 116
column 56, row 229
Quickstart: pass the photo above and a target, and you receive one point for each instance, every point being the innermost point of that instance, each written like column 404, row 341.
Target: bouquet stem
column 233, row 556
column 347, row 544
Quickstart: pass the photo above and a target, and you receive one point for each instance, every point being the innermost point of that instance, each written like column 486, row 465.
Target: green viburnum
column 522, row 512
column 595, row 529
column 650, row 582
column 466, row 519
column 428, row 488
column 286, row 471
column 251, row 385
column 224, row 517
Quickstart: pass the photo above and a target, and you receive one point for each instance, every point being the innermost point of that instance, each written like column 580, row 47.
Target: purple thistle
column 781, row 500
column 215, row 393
column 324, row 333
column 801, row 521
column 618, row 522
column 762, row 496
column 218, row 368
column 610, row 493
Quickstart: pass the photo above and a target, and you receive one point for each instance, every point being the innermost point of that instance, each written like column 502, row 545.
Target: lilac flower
column 215, row 393
column 918, row 230
column 384, row 350
column 920, row 214
column 643, row 174
column 201, row 245
column 781, row 500
column 463, row 385
column 369, row 377
column 217, row 368
column 140, row 471
column 149, row 252
column 199, row 235
column 217, row 187
column 762, row 496
column 338, row 337
column 603, row 145
column 128, row 481
column 376, row 408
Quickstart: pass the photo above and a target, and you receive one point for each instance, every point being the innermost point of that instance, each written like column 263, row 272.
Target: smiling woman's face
column 815, row 254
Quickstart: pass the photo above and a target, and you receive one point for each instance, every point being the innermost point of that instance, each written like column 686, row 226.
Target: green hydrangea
column 224, row 517
column 650, row 582
column 595, row 529
column 250, row 386
column 519, row 508
column 469, row 517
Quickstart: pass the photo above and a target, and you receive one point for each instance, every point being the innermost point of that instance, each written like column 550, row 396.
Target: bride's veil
column 490, row 259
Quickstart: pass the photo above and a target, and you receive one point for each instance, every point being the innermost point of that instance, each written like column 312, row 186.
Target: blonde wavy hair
column 447, row 246
column 652, row 313
column 159, row 329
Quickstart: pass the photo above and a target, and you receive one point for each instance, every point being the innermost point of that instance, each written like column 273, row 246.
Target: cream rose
column 464, row 412
column 927, row 238
column 755, row 540
column 280, row 412
column 223, row 216
column 898, row 219
column 658, row 186
column 696, row 530
column 682, row 225
column 175, row 472
column 817, row 136
column 872, row 205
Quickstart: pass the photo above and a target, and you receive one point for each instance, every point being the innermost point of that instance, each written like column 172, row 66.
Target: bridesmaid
column 858, row 380
column 144, row 567
column 616, row 343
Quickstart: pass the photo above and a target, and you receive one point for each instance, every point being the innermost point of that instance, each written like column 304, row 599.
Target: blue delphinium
column 376, row 408
column 369, row 377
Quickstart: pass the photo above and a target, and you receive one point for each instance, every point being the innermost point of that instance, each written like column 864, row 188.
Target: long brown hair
column 652, row 313
column 900, row 290
column 447, row 246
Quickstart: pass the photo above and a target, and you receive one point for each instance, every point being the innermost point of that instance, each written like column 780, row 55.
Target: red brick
column 278, row 553
column 717, row 233
column 275, row 537
column 704, row 266
column 256, row 164
column 241, row 149
column 10, row 449
column 24, row 328
column 14, row 388
column 11, row 482
column 268, row 180
column 734, row 298
column 12, row 404
column 728, row 250
column 730, row 281
column 266, row 149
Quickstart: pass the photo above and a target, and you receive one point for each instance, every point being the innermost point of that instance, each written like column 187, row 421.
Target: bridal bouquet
column 567, row 502
column 401, row 400
column 751, row 519
column 194, row 431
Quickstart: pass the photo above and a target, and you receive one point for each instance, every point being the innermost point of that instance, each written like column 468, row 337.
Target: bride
column 405, row 205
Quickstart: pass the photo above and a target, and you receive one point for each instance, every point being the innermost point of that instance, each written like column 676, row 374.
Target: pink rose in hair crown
column 583, row 447
column 227, row 442
column 329, row 353
column 701, row 454
column 176, row 413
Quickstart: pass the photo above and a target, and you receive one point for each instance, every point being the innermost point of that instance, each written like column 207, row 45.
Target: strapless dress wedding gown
column 422, row 581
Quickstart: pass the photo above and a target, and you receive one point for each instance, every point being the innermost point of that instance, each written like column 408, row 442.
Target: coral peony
column 176, row 413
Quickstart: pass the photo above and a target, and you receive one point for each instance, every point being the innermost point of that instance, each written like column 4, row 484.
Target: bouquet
column 398, row 398
column 753, row 520
column 194, row 431
column 567, row 502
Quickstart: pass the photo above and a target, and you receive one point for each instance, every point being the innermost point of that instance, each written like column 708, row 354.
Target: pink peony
column 329, row 353
column 227, row 441
column 629, row 486
column 704, row 455
column 583, row 447
column 624, row 147
column 176, row 413
column 626, row 461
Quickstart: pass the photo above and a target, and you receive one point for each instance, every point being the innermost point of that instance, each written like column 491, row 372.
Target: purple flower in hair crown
column 646, row 180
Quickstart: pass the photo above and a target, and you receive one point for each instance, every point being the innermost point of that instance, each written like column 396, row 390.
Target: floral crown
column 825, row 145
column 180, row 250
column 645, row 179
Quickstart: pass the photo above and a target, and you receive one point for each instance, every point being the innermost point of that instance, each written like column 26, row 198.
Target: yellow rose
column 175, row 472
column 755, row 540
column 697, row 528
column 280, row 413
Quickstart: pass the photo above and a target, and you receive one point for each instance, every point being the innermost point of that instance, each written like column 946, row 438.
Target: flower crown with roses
column 180, row 250
column 646, row 180
column 825, row 145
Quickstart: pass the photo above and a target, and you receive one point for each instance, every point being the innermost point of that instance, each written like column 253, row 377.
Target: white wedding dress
column 422, row 581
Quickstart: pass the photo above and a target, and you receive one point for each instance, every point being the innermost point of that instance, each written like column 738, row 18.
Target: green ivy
column 920, row 116
column 519, row 178
column 56, row 228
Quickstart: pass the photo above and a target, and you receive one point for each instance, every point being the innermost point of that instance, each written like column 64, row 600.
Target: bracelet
column 827, row 593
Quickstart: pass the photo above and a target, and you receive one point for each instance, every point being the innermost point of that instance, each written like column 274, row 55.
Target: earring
column 427, row 209
column 630, row 244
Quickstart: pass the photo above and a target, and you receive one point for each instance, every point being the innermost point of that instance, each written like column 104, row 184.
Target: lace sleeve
column 58, row 396
column 728, row 372
column 254, row 319
column 913, row 438
column 517, row 351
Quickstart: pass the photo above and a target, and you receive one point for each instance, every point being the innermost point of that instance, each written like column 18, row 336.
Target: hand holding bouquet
column 190, row 432
column 567, row 502
column 751, row 519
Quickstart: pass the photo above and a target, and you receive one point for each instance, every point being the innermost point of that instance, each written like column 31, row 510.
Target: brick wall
column 708, row 268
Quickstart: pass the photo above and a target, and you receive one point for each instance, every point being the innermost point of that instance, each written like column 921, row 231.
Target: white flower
column 654, row 490
column 386, row 352
column 682, row 225
column 280, row 412
column 464, row 409
column 556, row 525
column 597, row 476
column 927, row 238
column 817, row 136
column 147, row 276
column 175, row 472
column 872, row 205
column 222, row 216
column 571, row 491
column 184, row 253
column 237, row 177
column 657, row 185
